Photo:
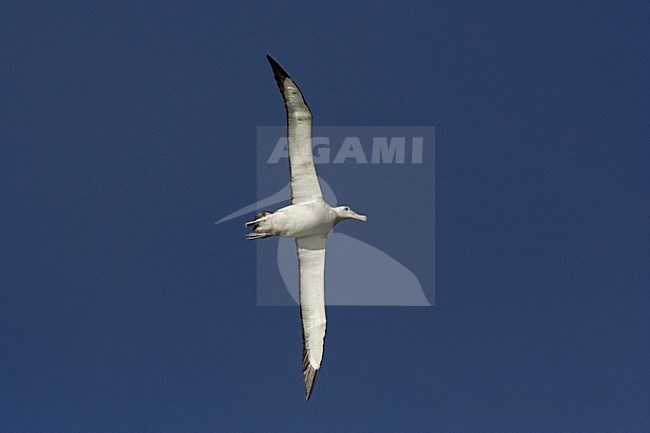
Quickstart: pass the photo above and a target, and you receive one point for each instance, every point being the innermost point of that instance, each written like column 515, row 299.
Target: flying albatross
column 309, row 219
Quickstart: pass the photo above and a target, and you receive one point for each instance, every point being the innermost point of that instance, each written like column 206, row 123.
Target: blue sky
column 128, row 129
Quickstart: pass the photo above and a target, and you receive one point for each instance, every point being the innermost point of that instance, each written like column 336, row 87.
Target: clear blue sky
column 128, row 129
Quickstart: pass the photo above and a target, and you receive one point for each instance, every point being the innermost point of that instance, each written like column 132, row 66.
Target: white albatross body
column 309, row 219
column 305, row 219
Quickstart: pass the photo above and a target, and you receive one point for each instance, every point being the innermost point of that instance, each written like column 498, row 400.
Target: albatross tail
column 258, row 232
column 258, row 217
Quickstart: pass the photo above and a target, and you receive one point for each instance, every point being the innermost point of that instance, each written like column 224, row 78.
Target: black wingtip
column 310, row 380
column 277, row 69
column 309, row 373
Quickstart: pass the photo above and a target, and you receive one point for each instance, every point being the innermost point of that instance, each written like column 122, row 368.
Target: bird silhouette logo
column 357, row 273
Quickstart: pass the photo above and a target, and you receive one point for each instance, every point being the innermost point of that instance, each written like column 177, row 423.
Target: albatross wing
column 304, row 183
column 311, row 255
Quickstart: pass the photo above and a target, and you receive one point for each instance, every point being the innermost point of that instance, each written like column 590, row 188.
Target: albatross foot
column 254, row 235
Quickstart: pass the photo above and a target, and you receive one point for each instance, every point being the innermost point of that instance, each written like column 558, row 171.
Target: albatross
column 308, row 219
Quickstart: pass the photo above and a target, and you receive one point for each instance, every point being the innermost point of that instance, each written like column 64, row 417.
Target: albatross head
column 344, row 213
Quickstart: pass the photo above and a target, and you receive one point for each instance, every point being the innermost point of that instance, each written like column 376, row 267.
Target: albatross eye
column 346, row 208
